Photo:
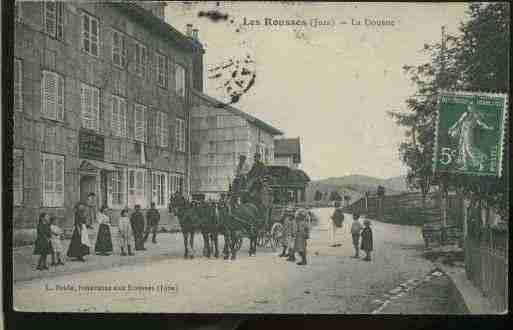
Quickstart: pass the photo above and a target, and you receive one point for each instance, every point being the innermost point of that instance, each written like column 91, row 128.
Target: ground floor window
column 136, row 189
column 159, row 191
column 52, row 168
column 117, row 190
column 176, row 183
column 17, row 176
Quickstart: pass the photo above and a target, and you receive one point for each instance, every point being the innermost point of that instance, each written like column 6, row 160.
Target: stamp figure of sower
column 469, row 155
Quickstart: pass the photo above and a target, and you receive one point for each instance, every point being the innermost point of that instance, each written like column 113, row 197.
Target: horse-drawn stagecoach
column 250, row 209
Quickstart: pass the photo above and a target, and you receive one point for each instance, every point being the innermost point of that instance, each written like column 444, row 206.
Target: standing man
column 137, row 222
column 288, row 218
column 91, row 210
column 152, row 223
column 302, row 235
column 337, row 221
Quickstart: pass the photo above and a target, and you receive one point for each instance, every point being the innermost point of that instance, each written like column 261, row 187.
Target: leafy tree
column 476, row 59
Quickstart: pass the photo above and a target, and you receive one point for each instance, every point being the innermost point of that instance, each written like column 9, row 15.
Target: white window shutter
column 123, row 119
column 59, row 182
column 50, row 94
column 50, row 17
column 165, row 130
column 115, row 116
column 60, row 99
column 96, row 108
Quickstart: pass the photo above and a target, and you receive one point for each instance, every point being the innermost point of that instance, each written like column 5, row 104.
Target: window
column 53, row 19
column 118, row 122
column 180, row 135
column 159, row 184
column 118, row 49
column 90, row 107
column 140, row 123
column 52, row 167
column 17, row 11
column 141, row 59
column 161, row 70
column 117, row 188
column 162, row 130
column 136, row 188
column 17, row 176
column 180, row 80
column 90, row 34
column 53, row 96
column 18, row 87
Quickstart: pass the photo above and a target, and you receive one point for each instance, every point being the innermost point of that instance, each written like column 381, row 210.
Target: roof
column 146, row 17
column 285, row 176
column 237, row 112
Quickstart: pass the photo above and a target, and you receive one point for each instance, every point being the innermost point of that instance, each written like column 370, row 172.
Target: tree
column 476, row 59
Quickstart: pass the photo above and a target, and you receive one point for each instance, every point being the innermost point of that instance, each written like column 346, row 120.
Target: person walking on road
column 291, row 238
column 125, row 234
column 336, row 223
column 356, row 228
column 79, row 245
column 55, row 238
column 152, row 223
column 103, row 244
column 137, row 222
column 367, row 240
column 91, row 210
column 302, row 235
column 43, row 246
column 288, row 218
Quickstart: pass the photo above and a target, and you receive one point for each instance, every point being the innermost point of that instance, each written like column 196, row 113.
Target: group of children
column 295, row 235
column 48, row 241
column 357, row 231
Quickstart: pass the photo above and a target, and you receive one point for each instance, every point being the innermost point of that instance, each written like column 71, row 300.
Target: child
column 125, row 233
column 43, row 247
column 367, row 240
column 356, row 227
column 55, row 238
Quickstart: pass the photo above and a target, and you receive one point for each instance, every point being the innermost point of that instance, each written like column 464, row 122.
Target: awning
column 95, row 165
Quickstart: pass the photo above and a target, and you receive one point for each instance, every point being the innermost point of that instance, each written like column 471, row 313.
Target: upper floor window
column 18, row 85
column 118, row 121
column 161, row 70
column 118, row 49
column 141, row 59
column 53, row 18
column 140, row 122
column 53, row 96
column 90, row 34
column 17, row 176
column 162, row 131
column 180, row 135
column 90, row 107
column 17, row 11
column 180, row 80
column 53, row 180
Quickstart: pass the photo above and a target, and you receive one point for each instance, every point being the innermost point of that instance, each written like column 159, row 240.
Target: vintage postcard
column 260, row 157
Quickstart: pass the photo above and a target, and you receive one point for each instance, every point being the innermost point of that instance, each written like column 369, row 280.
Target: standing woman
column 79, row 245
column 103, row 244
column 43, row 247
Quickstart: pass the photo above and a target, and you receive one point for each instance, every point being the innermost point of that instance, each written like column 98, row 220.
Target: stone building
column 102, row 101
column 219, row 135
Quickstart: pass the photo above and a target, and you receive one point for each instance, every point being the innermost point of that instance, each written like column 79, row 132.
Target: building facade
column 219, row 135
column 287, row 152
column 102, row 103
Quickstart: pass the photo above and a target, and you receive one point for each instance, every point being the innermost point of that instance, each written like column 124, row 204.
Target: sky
column 331, row 85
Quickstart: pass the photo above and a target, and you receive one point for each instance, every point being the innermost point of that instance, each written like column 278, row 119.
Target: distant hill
column 355, row 186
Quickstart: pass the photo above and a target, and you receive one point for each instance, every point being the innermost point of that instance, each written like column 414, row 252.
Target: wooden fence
column 486, row 263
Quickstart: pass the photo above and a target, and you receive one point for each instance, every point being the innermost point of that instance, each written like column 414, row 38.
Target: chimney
column 188, row 30
column 195, row 34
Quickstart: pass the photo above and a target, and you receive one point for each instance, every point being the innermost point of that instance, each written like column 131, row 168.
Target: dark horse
column 248, row 218
column 197, row 217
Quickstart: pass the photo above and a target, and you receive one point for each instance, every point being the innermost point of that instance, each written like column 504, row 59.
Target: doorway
column 87, row 185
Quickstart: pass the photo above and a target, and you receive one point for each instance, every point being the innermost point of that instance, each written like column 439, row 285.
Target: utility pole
column 443, row 177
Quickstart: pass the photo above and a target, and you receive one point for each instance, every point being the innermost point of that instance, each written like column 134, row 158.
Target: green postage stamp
column 470, row 133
